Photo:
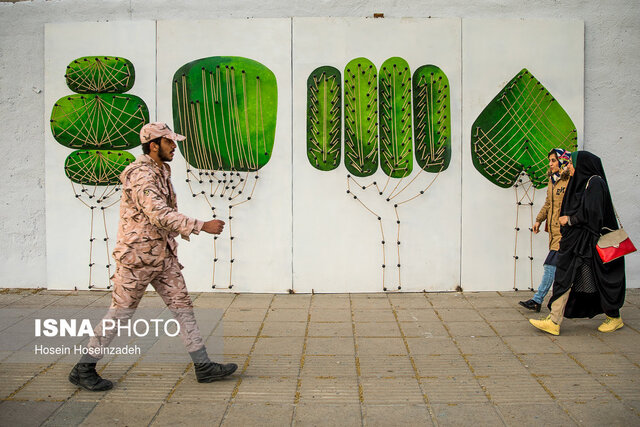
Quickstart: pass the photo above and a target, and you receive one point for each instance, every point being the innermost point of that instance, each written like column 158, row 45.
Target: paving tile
column 331, row 302
column 336, row 415
column 391, row 390
column 467, row 414
column 417, row 315
column 404, row 301
column 482, row 345
column 234, row 345
column 338, row 366
column 253, row 301
column 70, row 413
column 625, row 340
column 339, row 329
column 470, row 329
column 284, row 329
column 221, row 301
column 328, row 390
column 447, row 300
column 549, row 364
column 279, row 345
column 14, row 413
column 434, row 345
column 518, row 389
column 266, row 390
column 453, row 389
column 239, row 329
column 385, row 366
column 602, row 412
column 330, row 346
column 121, row 414
column 369, row 303
column 51, row 385
column 490, row 302
column 443, row 365
column 608, row 364
column 291, row 301
column 330, row 315
column 258, row 414
column 189, row 390
column 536, row 344
column 576, row 387
column 501, row 314
column 380, row 345
column 16, row 375
column 287, row 315
column 581, row 344
column 540, row 414
column 630, row 312
column 381, row 329
column 423, row 329
column 147, row 383
column 625, row 387
column 496, row 365
column 459, row 315
column 174, row 413
column 389, row 415
column 373, row 316
column 273, row 366
column 245, row 314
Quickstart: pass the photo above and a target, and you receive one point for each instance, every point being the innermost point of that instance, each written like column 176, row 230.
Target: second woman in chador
column 584, row 286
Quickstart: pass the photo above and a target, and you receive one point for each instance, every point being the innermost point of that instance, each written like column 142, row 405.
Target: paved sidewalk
column 350, row 360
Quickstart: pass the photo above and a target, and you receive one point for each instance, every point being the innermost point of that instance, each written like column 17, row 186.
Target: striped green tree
column 511, row 139
column 390, row 117
column 99, row 122
column 226, row 106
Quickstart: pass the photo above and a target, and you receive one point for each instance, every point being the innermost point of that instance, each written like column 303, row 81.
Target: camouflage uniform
column 146, row 251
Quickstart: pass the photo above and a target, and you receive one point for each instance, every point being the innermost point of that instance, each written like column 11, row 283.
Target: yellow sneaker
column 546, row 325
column 611, row 324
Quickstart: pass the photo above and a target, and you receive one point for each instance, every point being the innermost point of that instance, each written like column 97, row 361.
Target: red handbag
column 614, row 244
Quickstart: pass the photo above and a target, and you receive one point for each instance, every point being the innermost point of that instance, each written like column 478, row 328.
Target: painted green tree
column 99, row 122
column 510, row 141
column 390, row 117
column 226, row 106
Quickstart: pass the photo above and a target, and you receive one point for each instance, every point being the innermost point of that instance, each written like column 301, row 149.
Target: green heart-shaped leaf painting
column 516, row 131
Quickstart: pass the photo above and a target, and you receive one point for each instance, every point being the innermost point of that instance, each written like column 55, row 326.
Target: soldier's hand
column 215, row 226
column 536, row 227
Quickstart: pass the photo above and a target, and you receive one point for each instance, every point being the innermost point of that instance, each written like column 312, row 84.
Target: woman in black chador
column 584, row 286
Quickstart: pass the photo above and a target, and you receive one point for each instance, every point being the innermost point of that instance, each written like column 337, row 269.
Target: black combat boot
column 208, row 371
column 85, row 376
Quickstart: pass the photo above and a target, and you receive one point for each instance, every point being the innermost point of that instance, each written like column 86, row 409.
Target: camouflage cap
column 154, row 130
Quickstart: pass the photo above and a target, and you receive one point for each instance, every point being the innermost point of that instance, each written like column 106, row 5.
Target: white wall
column 611, row 128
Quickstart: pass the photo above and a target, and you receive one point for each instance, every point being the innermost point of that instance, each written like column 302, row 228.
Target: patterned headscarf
column 564, row 157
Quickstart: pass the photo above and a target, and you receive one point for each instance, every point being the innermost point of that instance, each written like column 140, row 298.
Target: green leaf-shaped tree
column 511, row 138
column 99, row 122
column 387, row 99
column 226, row 106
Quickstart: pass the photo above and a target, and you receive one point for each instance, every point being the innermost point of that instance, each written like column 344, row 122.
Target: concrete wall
column 612, row 43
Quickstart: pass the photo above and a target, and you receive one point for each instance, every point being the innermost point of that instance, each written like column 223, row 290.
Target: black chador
column 595, row 287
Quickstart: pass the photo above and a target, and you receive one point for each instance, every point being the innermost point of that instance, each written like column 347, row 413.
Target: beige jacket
column 550, row 212
column 149, row 219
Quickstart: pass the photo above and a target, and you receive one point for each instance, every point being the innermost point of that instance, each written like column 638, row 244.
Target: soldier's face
column 167, row 149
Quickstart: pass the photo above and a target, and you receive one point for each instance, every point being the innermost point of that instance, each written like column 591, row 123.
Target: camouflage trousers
column 129, row 286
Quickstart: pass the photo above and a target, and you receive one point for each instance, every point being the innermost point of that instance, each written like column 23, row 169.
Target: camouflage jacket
column 149, row 219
